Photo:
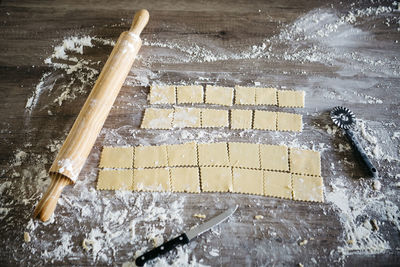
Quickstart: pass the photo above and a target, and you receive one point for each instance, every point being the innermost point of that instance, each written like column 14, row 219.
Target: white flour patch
column 111, row 223
column 321, row 36
column 382, row 149
column 40, row 87
column 140, row 77
column 181, row 258
column 67, row 61
column 356, row 207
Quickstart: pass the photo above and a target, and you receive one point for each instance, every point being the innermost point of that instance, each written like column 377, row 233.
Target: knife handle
column 160, row 250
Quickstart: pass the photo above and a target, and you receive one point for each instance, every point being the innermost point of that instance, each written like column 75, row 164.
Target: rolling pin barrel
column 80, row 140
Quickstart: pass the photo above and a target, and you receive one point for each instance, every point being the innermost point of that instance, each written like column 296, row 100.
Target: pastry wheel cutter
column 345, row 119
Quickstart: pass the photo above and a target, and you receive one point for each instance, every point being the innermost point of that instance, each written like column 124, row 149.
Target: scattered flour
column 117, row 220
column 377, row 185
column 354, row 204
column 214, row 252
column 65, row 61
column 383, row 149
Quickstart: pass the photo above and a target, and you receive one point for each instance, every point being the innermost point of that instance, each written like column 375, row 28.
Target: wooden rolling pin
column 80, row 140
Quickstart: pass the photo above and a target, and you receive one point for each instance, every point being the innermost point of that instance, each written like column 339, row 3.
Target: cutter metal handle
column 360, row 150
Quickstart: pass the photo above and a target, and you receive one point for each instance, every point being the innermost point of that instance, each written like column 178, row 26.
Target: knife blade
column 184, row 238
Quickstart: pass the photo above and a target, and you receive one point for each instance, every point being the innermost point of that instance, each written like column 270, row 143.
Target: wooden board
column 30, row 30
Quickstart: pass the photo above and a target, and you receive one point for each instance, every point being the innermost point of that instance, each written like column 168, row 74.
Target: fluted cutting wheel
column 343, row 117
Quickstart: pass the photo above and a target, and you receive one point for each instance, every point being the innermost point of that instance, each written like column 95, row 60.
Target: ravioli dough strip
column 218, row 167
column 219, row 95
column 240, row 119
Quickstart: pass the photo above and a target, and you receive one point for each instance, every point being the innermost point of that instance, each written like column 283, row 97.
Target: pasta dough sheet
column 278, row 184
column 214, row 118
column 186, row 117
column 115, row 180
column 151, row 180
column 185, row 180
column 157, row 118
column 305, row 161
column 247, row 168
column 265, row 120
column 213, row 154
column 182, row 155
column 162, row 94
column 182, row 117
column 219, row 95
column 290, row 98
column 248, row 181
column 216, row 179
column 244, row 155
column 274, row 157
column 289, row 122
column 191, row 94
column 116, row 157
column 308, row 188
column 266, row 96
column 245, row 95
column 241, row 119
column 150, row 156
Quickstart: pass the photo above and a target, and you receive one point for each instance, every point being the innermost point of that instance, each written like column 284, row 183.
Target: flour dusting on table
column 81, row 72
column 115, row 227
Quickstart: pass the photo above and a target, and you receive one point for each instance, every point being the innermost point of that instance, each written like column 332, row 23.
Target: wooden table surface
column 343, row 61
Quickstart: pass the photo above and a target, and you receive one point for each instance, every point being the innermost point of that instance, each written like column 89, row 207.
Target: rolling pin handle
column 48, row 203
column 139, row 22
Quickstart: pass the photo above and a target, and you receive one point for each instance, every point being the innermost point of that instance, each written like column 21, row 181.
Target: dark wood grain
column 30, row 29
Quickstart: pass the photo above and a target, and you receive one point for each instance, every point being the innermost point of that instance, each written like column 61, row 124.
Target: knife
column 184, row 238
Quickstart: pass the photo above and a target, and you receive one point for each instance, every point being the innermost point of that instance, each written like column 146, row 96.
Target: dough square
column 150, row 157
column 241, row 119
column 213, row 154
column 214, row 118
column 265, row 120
column 151, row 180
column 289, row 122
column 308, row 188
column 216, row 179
column 248, row 181
column 182, row 155
column 157, row 118
column 185, row 180
column 115, row 180
column 116, row 157
column 162, row 94
column 190, row 94
column 186, row 117
column 245, row 95
column 278, row 184
column 291, row 98
column 305, row 161
column 266, row 96
column 274, row 157
column 219, row 95
column 244, row 155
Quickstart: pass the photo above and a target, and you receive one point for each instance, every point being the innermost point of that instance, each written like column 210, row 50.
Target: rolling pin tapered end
column 48, row 203
column 139, row 21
